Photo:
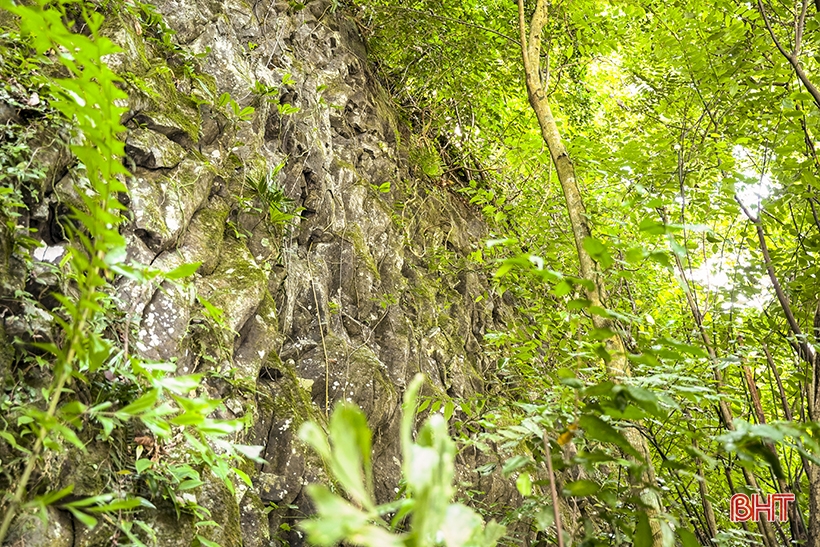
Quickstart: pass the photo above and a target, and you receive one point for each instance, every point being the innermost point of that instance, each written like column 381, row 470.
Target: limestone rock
column 28, row 530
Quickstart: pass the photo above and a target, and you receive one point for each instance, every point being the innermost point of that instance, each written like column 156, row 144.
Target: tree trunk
column 708, row 512
column 618, row 366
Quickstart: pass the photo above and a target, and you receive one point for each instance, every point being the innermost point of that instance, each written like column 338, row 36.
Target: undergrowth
column 77, row 387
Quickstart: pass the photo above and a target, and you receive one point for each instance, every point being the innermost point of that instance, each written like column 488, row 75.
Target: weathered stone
column 254, row 521
column 164, row 322
column 259, row 339
column 34, row 325
column 237, row 286
column 28, row 530
column 276, row 488
column 152, row 150
column 224, row 509
column 164, row 203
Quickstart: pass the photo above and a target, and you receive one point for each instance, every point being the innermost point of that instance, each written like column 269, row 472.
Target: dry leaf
column 144, row 441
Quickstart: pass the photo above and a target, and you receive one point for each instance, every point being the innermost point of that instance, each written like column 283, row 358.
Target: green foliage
column 427, row 469
column 59, row 419
column 383, row 188
column 278, row 209
column 672, row 116
column 234, row 111
column 427, row 160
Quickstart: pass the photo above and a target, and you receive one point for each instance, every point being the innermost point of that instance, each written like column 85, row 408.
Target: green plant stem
column 553, row 492
column 17, row 500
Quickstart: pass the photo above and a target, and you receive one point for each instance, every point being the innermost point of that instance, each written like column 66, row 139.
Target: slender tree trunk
column 724, row 412
column 814, row 507
column 808, row 354
column 618, row 366
column 703, row 489
column 757, row 405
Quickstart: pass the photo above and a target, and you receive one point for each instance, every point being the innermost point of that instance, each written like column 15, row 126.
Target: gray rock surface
column 348, row 300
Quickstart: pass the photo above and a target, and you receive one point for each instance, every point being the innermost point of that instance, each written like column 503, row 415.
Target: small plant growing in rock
column 279, row 209
column 427, row 469
column 234, row 111
column 268, row 91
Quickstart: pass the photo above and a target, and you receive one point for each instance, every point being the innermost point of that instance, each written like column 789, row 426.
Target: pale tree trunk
column 618, row 366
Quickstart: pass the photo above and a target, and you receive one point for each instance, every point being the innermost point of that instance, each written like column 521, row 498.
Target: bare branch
column 553, row 491
column 806, row 351
column 792, row 58
column 800, row 25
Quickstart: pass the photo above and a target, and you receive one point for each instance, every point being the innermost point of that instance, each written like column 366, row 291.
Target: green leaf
column 687, row 538
column 461, row 526
column 581, row 488
column 661, row 258
column 252, row 452
column 142, row 464
column 52, row 497
column 524, row 484
column 206, row 542
column 563, row 288
column 643, row 531
column 598, row 251
column 409, row 403
column 139, row 406
column 544, row 518
column 84, row 518
column 180, row 384
column 350, row 462
column 337, row 517
column 449, row 408
column 652, row 226
column 116, row 506
column 311, row 434
column 183, row 270
column 190, row 484
column 503, row 270
column 597, row 429
column 515, row 463
column 244, row 476
column 644, row 399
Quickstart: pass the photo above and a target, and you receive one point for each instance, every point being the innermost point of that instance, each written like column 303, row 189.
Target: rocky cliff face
column 345, row 301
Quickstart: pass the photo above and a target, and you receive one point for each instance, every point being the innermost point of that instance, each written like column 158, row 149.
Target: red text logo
column 773, row 507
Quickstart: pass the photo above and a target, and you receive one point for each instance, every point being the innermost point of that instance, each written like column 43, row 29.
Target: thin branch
column 792, row 58
column 784, row 400
column 806, row 351
column 780, row 48
column 800, row 25
column 553, row 492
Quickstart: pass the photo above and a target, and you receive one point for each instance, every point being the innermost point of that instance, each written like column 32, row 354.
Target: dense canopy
column 691, row 132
